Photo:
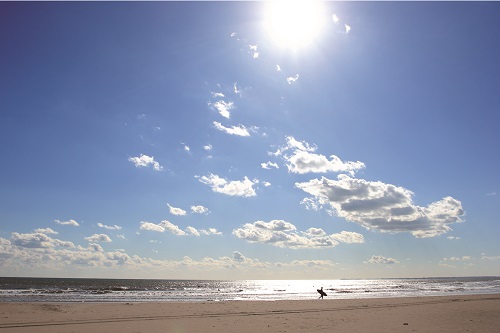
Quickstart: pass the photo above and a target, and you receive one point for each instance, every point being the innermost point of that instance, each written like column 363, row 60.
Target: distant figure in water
column 321, row 292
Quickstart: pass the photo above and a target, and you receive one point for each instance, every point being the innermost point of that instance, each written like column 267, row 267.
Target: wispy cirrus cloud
column 224, row 108
column 69, row 222
column 239, row 130
column 292, row 79
column 109, row 227
column 144, row 161
column 284, row 234
column 269, row 165
column 240, row 188
column 383, row 207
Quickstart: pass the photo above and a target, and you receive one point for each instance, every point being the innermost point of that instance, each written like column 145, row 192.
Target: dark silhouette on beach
column 321, row 292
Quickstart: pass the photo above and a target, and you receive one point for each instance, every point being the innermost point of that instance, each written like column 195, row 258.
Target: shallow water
column 141, row 290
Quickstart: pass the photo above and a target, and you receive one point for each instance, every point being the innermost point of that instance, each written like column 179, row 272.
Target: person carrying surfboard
column 321, row 292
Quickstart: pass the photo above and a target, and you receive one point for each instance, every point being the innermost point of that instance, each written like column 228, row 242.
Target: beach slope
column 471, row 313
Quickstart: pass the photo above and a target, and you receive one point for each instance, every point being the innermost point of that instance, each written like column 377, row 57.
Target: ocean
column 13, row 289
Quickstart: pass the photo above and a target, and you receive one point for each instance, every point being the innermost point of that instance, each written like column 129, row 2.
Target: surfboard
column 321, row 292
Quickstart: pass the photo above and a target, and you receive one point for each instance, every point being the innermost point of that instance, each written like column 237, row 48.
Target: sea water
column 14, row 289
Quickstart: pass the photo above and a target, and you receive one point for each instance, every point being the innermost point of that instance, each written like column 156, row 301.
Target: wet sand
column 473, row 313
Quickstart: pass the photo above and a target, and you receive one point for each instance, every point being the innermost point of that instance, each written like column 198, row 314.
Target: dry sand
column 477, row 313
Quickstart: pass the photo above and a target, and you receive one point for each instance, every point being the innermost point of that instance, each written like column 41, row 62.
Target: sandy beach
column 471, row 313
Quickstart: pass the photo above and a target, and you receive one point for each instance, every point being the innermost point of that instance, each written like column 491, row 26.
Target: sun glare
column 294, row 23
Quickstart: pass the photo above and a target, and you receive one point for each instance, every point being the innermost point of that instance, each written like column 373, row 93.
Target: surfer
column 321, row 292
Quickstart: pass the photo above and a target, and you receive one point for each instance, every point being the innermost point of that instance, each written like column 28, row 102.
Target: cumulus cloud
column 148, row 226
column 95, row 257
column 143, row 161
column 70, row 222
column 284, row 234
column 382, row 260
column 199, row 210
column 37, row 240
column 109, row 227
column 347, row 28
column 269, row 165
column 175, row 230
column 292, row 79
column 335, row 19
column 383, row 207
column 95, row 247
column 207, row 147
column 98, row 238
column 240, row 188
column 223, row 108
column 176, row 211
column 46, row 231
column 239, row 130
column 303, row 159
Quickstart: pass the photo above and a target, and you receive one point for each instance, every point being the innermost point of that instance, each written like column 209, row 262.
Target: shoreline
column 455, row 313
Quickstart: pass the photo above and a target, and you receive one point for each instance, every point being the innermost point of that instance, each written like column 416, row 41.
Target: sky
column 249, row 140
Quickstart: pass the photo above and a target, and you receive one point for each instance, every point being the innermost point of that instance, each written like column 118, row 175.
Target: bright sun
column 294, row 23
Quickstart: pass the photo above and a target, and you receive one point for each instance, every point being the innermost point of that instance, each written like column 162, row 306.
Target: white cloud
column 70, row 222
column 383, row 207
column 199, row 210
column 278, row 68
column 95, row 247
column 292, row 79
column 493, row 258
column 269, row 165
column 46, row 231
column 172, row 228
column 176, row 211
column 210, row 231
column 224, row 108
column 255, row 53
column 236, row 89
column 217, row 94
column 240, row 188
column 186, row 148
column 234, row 130
column 109, row 227
column 58, row 258
column 335, row 19
column 347, row 28
column 148, row 226
column 98, row 238
column 463, row 258
column 207, row 147
column 382, row 260
column 284, row 234
column 37, row 240
column 175, row 230
column 145, row 161
column 303, row 159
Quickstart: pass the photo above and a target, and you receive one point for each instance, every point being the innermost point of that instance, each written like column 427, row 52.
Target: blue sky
column 206, row 140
